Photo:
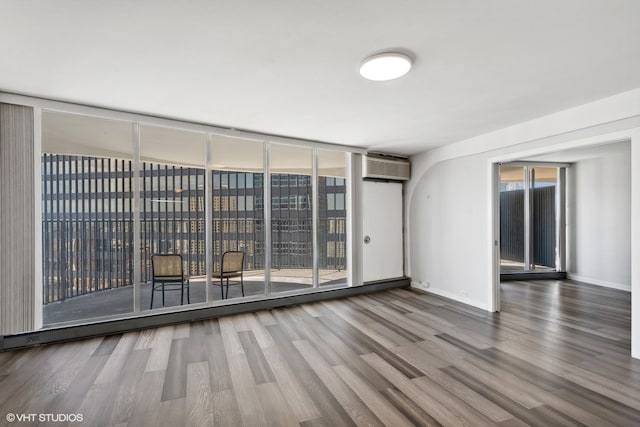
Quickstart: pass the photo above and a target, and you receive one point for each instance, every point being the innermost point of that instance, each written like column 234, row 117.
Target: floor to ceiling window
column 332, row 217
column 236, row 167
column 172, row 211
column 291, row 217
column 87, row 217
column 116, row 193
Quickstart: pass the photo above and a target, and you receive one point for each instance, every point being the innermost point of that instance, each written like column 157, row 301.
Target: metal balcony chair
column 168, row 275
column 232, row 267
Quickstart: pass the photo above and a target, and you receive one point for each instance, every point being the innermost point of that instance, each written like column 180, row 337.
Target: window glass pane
column 238, row 226
column 332, row 218
column 512, row 188
column 172, row 216
column 291, row 223
column 87, row 242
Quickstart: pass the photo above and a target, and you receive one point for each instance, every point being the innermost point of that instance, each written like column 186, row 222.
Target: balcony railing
column 87, row 229
column 90, row 256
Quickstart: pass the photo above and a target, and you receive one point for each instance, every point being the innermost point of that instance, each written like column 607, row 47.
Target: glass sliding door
column 544, row 184
column 87, row 217
column 332, row 218
column 236, row 169
column 512, row 218
column 530, row 210
column 172, row 211
column 291, row 217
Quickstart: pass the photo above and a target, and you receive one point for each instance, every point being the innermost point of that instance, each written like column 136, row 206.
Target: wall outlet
column 464, row 293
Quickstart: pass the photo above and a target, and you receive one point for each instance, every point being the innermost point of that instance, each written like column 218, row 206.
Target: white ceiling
column 290, row 67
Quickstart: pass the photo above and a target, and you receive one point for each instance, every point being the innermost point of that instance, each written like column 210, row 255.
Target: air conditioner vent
column 379, row 166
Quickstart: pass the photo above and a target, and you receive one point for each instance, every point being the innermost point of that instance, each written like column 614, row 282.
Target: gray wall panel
column 17, row 219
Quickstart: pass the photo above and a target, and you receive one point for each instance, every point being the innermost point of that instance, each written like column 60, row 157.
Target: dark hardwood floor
column 558, row 354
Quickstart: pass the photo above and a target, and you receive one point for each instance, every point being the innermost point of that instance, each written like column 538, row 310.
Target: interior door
column 382, row 229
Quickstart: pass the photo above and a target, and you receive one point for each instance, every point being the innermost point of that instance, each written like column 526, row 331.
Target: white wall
column 447, row 221
column 599, row 218
column 635, row 244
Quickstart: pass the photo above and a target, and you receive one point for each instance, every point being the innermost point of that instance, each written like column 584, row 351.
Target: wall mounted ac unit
column 385, row 167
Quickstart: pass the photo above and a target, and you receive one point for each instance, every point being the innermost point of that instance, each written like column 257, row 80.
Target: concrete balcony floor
column 119, row 301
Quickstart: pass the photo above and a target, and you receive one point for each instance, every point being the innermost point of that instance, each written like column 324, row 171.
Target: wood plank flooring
column 558, row 354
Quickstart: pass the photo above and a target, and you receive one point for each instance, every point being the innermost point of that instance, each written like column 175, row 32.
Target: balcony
column 119, row 301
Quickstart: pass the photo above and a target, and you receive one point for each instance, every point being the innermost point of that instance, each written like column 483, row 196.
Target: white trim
column 137, row 226
column 349, row 205
column 538, row 164
column 635, row 245
column 315, row 214
column 561, row 220
column 146, row 119
column 598, row 282
column 354, row 220
column 208, row 214
column 451, row 296
column 494, row 238
column 528, row 217
column 37, row 210
column 266, row 208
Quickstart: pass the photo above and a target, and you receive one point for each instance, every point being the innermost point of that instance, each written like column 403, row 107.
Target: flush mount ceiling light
column 385, row 66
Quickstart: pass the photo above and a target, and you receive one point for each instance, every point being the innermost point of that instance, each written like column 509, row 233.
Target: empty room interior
column 320, row 213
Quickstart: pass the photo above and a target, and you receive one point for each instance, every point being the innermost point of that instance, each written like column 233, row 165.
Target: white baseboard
column 597, row 282
column 450, row 295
